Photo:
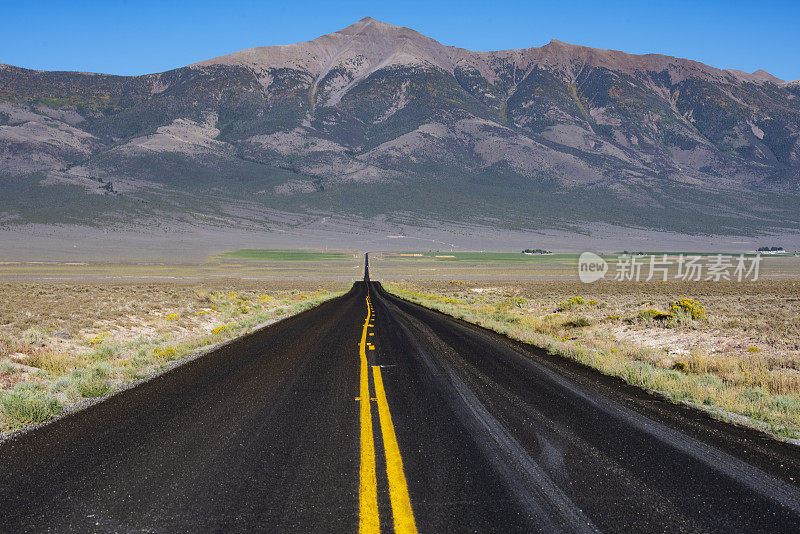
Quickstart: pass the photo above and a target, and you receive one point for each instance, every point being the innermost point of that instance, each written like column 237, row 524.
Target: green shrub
column 27, row 404
column 93, row 382
column 7, row 368
column 513, row 302
column 680, row 366
column 712, row 380
column 653, row 315
column 94, row 388
column 131, row 373
column 104, row 352
column 571, row 303
column 785, row 403
column 33, row 336
column 579, row 322
column 67, row 387
column 752, row 394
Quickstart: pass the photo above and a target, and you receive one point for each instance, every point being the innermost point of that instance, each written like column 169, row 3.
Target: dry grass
column 62, row 342
column 742, row 357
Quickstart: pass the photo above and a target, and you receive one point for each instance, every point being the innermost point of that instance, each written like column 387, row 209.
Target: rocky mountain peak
column 370, row 26
column 386, row 106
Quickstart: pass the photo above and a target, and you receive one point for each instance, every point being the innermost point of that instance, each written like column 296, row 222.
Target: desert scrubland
column 62, row 343
column 74, row 331
column 732, row 348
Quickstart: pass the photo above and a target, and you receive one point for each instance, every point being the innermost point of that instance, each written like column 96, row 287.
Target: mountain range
column 380, row 122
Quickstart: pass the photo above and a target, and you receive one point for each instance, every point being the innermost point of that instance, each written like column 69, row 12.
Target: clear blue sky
column 152, row 36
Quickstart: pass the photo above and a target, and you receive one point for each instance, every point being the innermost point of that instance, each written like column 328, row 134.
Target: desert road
column 372, row 414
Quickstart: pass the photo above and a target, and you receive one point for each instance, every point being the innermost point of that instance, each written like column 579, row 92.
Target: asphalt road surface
column 370, row 413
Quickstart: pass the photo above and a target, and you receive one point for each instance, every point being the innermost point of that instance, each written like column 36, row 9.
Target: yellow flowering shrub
column 97, row 340
column 167, row 353
column 687, row 307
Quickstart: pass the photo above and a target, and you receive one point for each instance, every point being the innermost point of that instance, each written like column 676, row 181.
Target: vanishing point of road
column 372, row 414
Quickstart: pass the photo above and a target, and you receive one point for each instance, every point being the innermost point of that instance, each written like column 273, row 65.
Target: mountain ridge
column 353, row 29
column 363, row 27
column 376, row 111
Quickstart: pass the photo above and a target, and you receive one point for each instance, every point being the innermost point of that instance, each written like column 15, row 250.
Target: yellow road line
column 368, row 488
column 398, row 489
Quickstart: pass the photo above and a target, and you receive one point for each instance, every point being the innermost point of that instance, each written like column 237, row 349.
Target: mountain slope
column 380, row 120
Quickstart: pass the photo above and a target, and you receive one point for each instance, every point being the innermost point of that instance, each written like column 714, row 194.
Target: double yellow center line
column 402, row 513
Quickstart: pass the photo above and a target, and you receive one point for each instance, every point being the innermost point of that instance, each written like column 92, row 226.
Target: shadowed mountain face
column 378, row 120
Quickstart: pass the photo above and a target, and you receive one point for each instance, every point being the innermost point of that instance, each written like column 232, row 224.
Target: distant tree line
column 536, row 251
column 770, row 249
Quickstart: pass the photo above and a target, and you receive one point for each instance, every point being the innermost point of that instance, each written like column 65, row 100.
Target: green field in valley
column 285, row 255
column 480, row 257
